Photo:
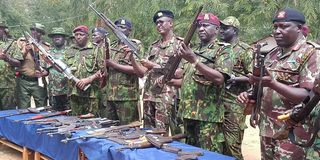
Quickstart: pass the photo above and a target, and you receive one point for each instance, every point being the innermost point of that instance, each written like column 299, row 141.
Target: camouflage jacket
column 201, row 99
column 7, row 72
column 58, row 82
column 121, row 86
column 243, row 54
column 84, row 62
column 297, row 68
column 160, row 54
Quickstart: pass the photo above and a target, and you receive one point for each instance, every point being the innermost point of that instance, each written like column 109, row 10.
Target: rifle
column 57, row 64
column 123, row 38
column 26, row 111
column 102, row 131
column 46, row 115
column 299, row 113
column 174, row 61
column 103, row 81
column 259, row 71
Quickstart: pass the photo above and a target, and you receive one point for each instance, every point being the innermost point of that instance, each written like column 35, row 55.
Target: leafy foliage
column 255, row 16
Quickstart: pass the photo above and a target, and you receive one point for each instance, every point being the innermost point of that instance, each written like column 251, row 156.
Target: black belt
column 27, row 78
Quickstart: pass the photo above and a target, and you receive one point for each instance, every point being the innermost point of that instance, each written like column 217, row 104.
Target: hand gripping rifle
column 57, row 64
column 298, row 114
column 123, row 38
column 174, row 61
column 259, row 71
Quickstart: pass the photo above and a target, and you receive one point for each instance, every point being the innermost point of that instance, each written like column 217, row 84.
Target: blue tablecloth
column 94, row 149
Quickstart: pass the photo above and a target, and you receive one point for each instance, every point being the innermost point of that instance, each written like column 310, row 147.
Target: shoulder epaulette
column 223, row 44
column 315, row 45
column 244, row 45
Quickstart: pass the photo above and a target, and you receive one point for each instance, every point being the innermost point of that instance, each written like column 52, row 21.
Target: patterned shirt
column 201, row 98
column 57, row 81
column 296, row 67
column 84, row 62
column 7, row 72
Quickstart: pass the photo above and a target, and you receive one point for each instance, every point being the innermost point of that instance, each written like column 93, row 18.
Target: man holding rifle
column 203, row 86
column 291, row 69
column 86, row 64
column 158, row 105
column 7, row 70
column 122, row 89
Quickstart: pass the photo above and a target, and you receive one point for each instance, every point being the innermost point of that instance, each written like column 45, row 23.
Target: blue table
column 94, row 149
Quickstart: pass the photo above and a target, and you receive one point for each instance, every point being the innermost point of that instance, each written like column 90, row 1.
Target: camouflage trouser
column 313, row 152
column 280, row 150
column 59, row 103
column 205, row 135
column 233, row 129
column 84, row 105
column 159, row 115
column 26, row 89
column 124, row 111
column 7, row 98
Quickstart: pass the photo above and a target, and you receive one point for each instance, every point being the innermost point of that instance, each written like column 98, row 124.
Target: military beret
column 39, row 27
column 81, row 28
column 289, row 14
column 123, row 21
column 162, row 13
column 208, row 17
column 231, row 21
column 58, row 31
column 100, row 30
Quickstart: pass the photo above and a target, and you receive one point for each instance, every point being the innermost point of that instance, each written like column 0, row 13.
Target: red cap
column 208, row 17
column 81, row 28
column 305, row 30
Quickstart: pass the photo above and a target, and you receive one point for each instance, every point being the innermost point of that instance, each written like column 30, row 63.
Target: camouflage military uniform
column 84, row 62
column 313, row 152
column 57, row 87
column 234, row 119
column 122, row 90
column 7, row 81
column 202, row 107
column 158, row 107
column 296, row 68
column 27, row 82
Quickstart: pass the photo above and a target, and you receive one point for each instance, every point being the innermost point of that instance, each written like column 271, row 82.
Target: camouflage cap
column 58, row 31
column 38, row 27
column 3, row 24
column 231, row 21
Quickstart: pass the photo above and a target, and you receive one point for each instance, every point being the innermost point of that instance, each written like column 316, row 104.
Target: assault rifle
column 45, row 115
column 123, row 38
column 102, row 131
column 26, row 111
column 299, row 113
column 57, row 64
column 258, row 71
column 174, row 61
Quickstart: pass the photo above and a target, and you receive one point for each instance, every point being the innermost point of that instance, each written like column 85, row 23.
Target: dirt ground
column 250, row 146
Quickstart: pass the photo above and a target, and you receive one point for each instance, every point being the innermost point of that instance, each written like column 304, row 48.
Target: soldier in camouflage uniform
column 7, row 71
column 31, row 73
column 234, row 119
column 99, row 36
column 158, row 106
column 203, row 86
column 85, row 63
column 58, row 82
column 122, row 89
column 291, row 67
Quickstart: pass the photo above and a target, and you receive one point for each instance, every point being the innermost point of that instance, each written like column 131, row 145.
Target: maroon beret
column 81, row 28
column 209, row 18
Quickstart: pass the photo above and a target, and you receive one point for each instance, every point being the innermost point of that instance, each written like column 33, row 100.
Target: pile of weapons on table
column 130, row 136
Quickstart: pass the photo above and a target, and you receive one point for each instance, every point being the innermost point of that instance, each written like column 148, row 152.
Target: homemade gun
column 45, row 115
column 58, row 64
column 26, row 111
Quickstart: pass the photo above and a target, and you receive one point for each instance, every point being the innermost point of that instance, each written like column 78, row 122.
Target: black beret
column 123, row 21
column 162, row 13
column 288, row 15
